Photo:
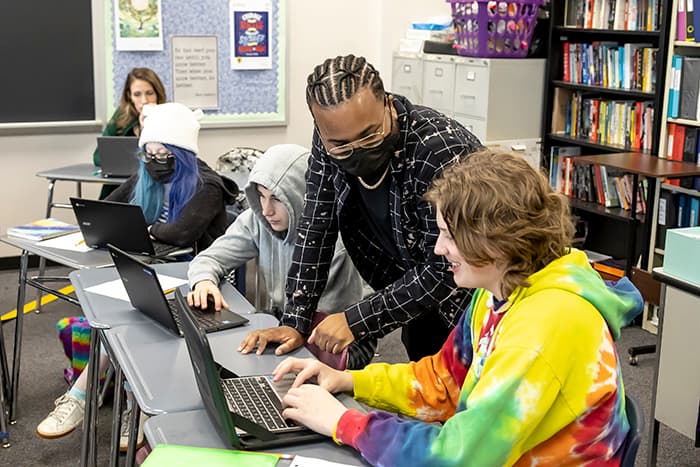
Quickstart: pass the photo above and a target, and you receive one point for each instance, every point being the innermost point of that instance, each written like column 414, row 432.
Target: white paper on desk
column 300, row 461
column 72, row 242
column 115, row 288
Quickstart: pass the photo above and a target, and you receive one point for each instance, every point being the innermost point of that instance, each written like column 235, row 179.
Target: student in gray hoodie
column 267, row 231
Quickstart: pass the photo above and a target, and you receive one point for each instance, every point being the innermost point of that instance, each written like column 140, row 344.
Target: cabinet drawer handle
column 471, row 76
column 438, row 72
column 407, row 68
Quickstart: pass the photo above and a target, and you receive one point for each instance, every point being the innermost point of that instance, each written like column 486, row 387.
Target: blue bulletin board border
column 246, row 97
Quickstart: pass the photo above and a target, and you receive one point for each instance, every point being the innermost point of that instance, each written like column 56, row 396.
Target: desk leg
column 116, row 416
column 42, row 260
column 4, row 393
column 88, row 452
column 42, row 267
column 135, row 417
column 654, row 425
column 19, row 324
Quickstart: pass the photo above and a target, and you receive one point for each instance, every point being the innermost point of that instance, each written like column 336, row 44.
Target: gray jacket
column 280, row 170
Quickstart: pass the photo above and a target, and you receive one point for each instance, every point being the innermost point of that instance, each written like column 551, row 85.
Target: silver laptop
column 118, row 155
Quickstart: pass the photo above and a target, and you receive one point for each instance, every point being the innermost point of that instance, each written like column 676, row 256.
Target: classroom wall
column 317, row 29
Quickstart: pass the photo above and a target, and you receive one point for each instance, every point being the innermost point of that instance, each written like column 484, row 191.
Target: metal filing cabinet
column 439, row 82
column 407, row 76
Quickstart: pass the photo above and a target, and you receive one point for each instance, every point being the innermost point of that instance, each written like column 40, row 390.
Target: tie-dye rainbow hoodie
column 546, row 391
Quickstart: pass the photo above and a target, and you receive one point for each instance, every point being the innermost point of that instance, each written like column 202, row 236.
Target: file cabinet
column 496, row 99
column 407, row 77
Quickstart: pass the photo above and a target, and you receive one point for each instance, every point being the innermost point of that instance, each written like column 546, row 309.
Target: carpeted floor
column 42, row 381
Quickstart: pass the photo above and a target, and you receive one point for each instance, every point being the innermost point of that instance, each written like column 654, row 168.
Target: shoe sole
column 61, row 435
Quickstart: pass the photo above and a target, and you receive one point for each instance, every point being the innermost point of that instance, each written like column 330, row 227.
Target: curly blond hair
column 500, row 210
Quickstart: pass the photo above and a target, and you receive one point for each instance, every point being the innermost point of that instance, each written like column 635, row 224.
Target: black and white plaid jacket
column 415, row 283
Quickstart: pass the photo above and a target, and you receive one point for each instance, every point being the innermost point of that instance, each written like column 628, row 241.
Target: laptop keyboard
column 203, row 318
column 254, row 398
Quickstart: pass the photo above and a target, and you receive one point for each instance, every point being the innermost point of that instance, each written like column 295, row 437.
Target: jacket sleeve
column 124, row 191
column 228, row 252
column 501, row 410
column 194, row 218
column 317, row 233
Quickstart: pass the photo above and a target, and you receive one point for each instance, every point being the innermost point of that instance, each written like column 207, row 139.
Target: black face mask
column 367, row 162
column 161, row 172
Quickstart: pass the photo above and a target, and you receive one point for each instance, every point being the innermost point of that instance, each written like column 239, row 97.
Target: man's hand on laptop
column 288, row 338
column 309, row 370
column 332, row 334
column 207, row 296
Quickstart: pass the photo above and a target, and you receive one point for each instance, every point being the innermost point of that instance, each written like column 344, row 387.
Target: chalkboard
column 47, row 61
column 246, row 97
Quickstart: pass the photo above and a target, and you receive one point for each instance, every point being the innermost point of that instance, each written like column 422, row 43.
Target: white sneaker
column 66, row 417
column 126, row 428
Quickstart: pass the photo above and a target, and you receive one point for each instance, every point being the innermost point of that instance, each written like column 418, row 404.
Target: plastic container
column 494, row 29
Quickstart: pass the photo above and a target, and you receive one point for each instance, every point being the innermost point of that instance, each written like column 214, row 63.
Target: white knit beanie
column 170, row 123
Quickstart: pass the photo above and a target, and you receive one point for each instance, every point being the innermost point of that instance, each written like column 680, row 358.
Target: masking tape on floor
column 31, row 306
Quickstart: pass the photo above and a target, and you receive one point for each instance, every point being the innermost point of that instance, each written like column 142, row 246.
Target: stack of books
column 42, row 229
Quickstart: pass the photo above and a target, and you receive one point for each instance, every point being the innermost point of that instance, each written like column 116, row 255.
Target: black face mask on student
column 366, row 162
column 161, row 172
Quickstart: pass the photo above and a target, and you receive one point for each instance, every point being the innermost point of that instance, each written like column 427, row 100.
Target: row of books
column 628, row 124
column 611, row 65
column 683, row 144
column 676, row 210
column 626, row 15
column 593, row 183
column 684, row 89
column 688, row 20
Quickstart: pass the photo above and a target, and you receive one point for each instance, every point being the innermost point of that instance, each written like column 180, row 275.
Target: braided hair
column 338, row 79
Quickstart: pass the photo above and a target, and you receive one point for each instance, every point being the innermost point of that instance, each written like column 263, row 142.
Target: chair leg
column 640, row 350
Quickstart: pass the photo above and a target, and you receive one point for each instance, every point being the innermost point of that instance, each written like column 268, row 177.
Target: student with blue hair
column 183, row 201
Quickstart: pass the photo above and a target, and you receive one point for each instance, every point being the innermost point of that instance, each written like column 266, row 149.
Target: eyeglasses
column 160, row 158
column 370, row 141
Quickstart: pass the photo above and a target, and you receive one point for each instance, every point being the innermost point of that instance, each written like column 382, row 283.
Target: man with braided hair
column 374, row 154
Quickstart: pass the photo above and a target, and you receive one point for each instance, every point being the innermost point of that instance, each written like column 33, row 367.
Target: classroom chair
column 650, row 289
column 634, row 436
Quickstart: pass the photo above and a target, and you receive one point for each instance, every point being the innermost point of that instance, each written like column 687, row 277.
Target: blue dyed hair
column 148, row 193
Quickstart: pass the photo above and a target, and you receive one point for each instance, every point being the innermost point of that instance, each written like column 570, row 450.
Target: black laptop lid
column 206, row 374
column 120, row 224
column 118, row 155
column 143, row 288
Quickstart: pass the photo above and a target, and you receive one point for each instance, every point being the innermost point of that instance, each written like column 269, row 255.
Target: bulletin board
column 245, row 97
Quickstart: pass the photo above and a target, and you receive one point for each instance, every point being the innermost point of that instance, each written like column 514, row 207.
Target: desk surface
column 674, row 281
column 73, row 259
column 79, row 173
column 194, row 428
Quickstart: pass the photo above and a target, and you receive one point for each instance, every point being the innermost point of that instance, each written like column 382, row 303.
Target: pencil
column 170, row 290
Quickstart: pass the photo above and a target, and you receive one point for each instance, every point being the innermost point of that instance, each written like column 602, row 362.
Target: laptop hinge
column 251, row 428
column 224, row 373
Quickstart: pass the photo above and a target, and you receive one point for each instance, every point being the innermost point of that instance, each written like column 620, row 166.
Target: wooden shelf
column 683, row 121
column 613, row 213
column 680, row 189
column 644, row 164
column 686, row 44
column 608, row 33
column 586, row 143
column 627, row 93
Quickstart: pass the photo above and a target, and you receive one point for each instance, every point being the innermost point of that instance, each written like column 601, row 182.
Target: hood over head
column 619, row 303
column 281, row 170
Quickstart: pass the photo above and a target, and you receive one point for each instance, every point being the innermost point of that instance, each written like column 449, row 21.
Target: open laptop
column 246, row 411
column 118, row 155
column 120, row 224
column 146, row 295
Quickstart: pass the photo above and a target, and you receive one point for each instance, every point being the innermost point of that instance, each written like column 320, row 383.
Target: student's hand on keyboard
column 288, row 338
column 311, row 370
column 207, row 296
column 313, row 407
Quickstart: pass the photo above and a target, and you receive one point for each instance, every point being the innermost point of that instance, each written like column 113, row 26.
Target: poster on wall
column 250, row 29
column 138, row 25
column 195, row 71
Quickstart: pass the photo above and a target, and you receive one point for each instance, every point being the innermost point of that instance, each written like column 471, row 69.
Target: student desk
column 194, row 428
column 154, row 361
column 71, row 259
column 676, row 389
column 78, row 173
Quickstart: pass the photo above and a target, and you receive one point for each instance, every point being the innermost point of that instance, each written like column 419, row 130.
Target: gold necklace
column 379, row 182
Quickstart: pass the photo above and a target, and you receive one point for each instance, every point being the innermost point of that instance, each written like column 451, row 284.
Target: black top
column 375, row 206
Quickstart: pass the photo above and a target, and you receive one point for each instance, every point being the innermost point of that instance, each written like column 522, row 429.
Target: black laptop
column 146, row 295
column 120, row 224
column 246, row 411
column 118, row 155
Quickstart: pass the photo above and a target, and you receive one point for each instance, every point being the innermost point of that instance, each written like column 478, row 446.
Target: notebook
column 146, row 295
column 120, row 224
column 236, row 416
column 118, row 155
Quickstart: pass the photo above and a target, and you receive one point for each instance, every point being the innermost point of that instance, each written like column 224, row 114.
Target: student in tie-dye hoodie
column 529, row 376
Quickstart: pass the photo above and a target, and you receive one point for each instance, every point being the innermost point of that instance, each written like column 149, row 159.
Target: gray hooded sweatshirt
column 281, row 170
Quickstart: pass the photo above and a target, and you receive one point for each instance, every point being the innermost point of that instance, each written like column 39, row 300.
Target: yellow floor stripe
column 31, row 306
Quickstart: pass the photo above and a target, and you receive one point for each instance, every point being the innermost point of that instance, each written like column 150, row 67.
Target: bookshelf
column 670, row 192
column 588, row 40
